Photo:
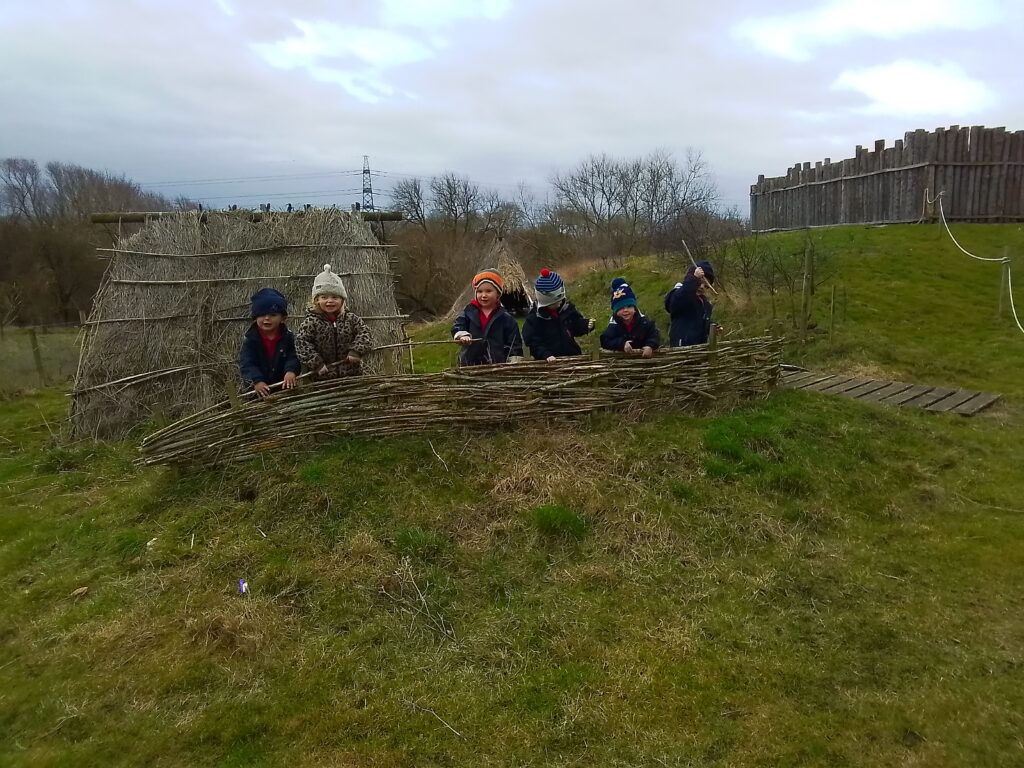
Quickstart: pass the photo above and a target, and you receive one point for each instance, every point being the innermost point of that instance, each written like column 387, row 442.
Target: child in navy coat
column 268, row 354
column 551, row 328
column 689, row 308
column 629, row 330
column 485, row 329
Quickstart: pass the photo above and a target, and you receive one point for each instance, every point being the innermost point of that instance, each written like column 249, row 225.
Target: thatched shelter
column 166, row 324
column 517, row 295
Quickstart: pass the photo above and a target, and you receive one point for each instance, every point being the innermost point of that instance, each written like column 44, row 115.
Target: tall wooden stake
column 37, row 356
column 1004, row 285
column 832, row 316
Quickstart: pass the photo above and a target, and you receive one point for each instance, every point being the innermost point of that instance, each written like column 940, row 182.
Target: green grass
column 802, row 581
column 58, row 350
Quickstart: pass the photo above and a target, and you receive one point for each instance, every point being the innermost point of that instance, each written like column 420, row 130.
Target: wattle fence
column 979, row 170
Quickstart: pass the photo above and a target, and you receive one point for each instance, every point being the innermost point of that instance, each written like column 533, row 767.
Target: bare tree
column 623, row 205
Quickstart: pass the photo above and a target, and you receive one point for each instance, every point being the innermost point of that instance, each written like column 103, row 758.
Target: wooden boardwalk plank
column 897, row 393
column 907, row 394
column 828, row 381
column 794, row 378
column 892, row 388
column 839, row 388
column 866, row 389
column 959, row 397
column 927, row 398
column 982, row 400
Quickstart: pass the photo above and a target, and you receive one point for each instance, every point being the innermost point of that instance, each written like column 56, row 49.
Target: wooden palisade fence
column 980, row 171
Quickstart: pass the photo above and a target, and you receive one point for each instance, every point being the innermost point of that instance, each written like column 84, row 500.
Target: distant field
column 58, row 348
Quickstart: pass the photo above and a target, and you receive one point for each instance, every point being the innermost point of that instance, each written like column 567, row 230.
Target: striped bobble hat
column 489, row 276
column 550, row 288
column 622, row 294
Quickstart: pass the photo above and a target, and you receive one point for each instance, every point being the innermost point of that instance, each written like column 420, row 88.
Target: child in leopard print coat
column 331, row 341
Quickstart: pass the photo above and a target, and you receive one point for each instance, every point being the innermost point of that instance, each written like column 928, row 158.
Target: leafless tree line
column 48, row 265
column 604, row 208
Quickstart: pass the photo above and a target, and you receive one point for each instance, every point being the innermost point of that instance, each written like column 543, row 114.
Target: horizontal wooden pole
column 246, row 251
column 141, row 217
column 240, row 279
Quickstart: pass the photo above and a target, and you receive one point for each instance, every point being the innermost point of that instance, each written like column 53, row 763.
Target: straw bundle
column 484, row 396
column 167, row 322
column 516, row 296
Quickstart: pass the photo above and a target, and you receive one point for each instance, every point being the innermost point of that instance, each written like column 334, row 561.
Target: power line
column 311, row 193
column 241, row 179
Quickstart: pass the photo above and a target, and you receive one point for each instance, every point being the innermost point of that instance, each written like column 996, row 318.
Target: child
column 689, row 307
column 485, row 319
column 629, row 330
column 331, row 341
column 551, row 328
column 268, row 355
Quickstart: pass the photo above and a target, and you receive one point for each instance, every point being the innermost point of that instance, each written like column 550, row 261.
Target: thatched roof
column 167, row 322
column 500, row 258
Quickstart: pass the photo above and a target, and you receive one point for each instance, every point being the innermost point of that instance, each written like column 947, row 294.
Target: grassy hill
column 803, row 581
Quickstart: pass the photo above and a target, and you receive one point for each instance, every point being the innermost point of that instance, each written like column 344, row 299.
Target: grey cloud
column 160, row 94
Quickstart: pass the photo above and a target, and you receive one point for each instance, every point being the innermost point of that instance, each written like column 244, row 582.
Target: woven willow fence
column 167, row 322
column 479, row 397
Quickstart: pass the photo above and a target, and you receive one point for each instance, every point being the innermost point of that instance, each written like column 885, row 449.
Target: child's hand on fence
column 323, row 371
column 464, row 338
column 648, row 352
column 289, row 381
column 551, row 358
column 627, row 348
column 261, row 388
column 353, row 359
column 590, row 324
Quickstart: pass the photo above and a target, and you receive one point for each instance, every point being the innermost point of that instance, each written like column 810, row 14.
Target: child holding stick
column 551, row 328
column 331, row 341
column 689, row 307
column 268, row 354
column 485, row 329
column 629, row 330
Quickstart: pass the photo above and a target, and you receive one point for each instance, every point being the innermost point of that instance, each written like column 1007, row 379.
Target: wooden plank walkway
column 965, row 402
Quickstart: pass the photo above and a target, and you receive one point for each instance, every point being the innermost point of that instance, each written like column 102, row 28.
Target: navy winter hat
column 622, row 294
column 709, row 272
column 550, row 288
column 267, row 301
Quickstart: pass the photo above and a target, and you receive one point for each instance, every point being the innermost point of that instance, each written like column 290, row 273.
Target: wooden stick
column 245, row 251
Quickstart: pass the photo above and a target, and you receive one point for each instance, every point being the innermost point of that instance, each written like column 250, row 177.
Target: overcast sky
column 297, row 91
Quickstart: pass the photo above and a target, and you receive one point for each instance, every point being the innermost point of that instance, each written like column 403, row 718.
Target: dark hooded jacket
column 689, row 310
column 643, row 333
column 254, row 365
column 551, row 331
column 501, row 337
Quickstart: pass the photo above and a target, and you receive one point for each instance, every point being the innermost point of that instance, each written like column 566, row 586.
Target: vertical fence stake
column 1004, row 285
column 37, row 356
column 832, row 316
column 805, row 299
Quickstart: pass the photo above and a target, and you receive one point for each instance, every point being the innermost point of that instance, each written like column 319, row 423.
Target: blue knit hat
column 550, row 288
column 622, row 294
column 267, row 301
column 709, row 272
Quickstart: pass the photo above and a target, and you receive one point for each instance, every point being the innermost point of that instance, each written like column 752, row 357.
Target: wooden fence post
column 805, row 299
column 832, row 316
column 1004, row 285
column 37, row 356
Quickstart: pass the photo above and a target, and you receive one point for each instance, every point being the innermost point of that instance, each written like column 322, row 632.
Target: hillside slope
column 803, row 581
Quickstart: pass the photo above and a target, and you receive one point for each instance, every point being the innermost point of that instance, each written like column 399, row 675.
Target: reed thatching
column 476, row 397
column 517, row 293
column 167, row 322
